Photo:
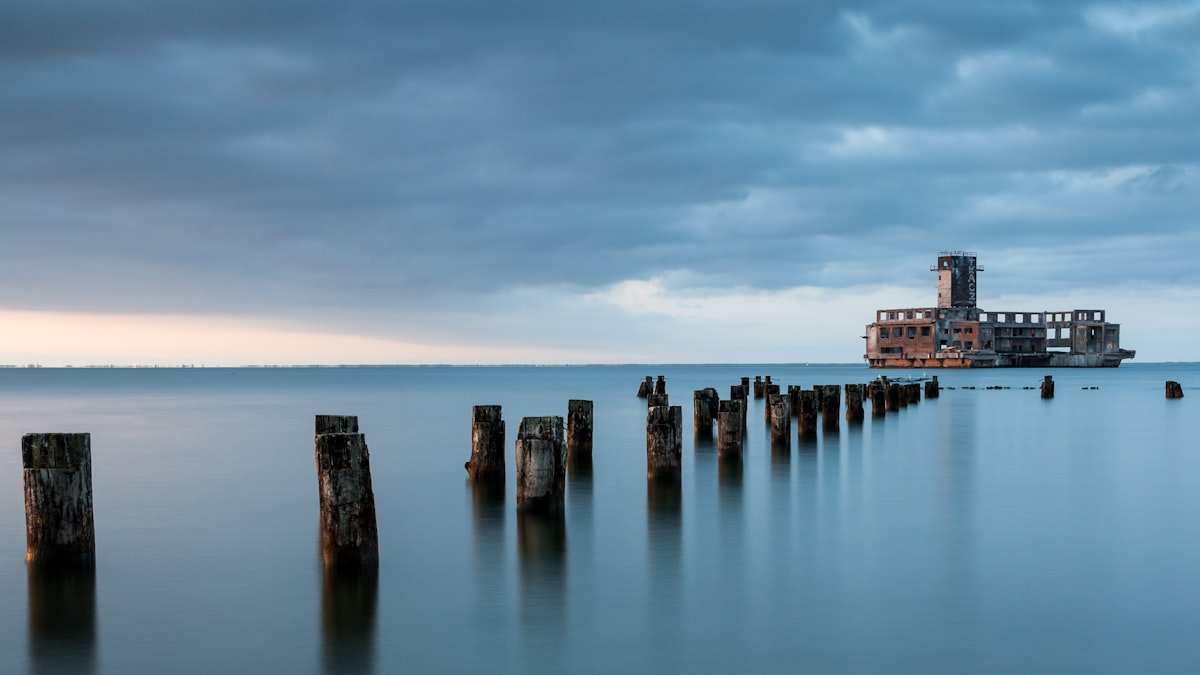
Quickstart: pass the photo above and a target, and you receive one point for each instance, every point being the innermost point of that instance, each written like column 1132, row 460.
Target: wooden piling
column 831, row 405
column 806, row 417
column 781, row 420
column 646, row 387
column 1048, row 386
column 579, row 432
column 487, row 444
column 541, row 464
column 769, row 390
column 664, row 442
column 660, row 387
column 705, row 406
column 1174, row 389
column 729, row 429
column 878, row 393
column 912, row 393
column 657, row 400
column 894, row 400
column 758, row 386
column 854, row 403
column 349, row 536
column 59, row 524
column 932, row 390
column 739, row 393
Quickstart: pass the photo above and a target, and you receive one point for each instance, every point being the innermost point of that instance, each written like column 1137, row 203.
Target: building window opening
column 912, row 332
column 924, row 331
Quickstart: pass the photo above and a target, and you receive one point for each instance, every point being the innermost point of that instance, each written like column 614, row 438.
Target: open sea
column 986, row 531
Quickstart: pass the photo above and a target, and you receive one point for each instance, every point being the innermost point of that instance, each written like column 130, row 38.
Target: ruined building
column 957, row 334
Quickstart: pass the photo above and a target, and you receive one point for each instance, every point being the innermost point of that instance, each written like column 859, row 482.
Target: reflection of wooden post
column 62, row 617
column 781, row 420
column 487, row 444
column 932, row 390
column 59, row 525
column 349, row 536
column 541, row 464
column 664, row 442
column 705, row 404
column 1048, row 386
column 729, row 430
column 348, row 601
column 1174, row 389
column 579, row 432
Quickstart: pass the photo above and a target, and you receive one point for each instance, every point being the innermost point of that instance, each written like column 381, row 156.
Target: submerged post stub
column 487, row 445
column 664, row 442
column 932, row 389
column 59, row 524
column 541, row 464
column 579, row 431
column 1048, row 386
column 349, row 535
column 729, row 429
column 1174, row 389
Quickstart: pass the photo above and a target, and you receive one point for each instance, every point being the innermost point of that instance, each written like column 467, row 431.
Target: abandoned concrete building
column 957, row 334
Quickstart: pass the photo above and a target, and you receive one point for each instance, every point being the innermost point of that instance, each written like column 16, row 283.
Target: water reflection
column 348, row 603
column 664, row 539
column 62, row 618
column 488, row 514
column 542, row 554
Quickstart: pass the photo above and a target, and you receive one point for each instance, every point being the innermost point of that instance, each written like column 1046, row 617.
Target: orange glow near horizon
column 62, row 339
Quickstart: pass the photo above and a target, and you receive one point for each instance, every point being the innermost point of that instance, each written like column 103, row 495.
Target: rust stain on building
column 957, row 334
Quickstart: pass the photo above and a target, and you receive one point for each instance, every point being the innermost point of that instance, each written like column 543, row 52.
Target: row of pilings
column 58, row 477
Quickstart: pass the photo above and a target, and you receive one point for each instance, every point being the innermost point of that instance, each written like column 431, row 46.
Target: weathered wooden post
column 664, row 442
column 781, row 420
column 660, row 387
column 793, row 400
column 878, row 393
column 738, row 393
column 349, row 536
column 646, row 387
column 1174, row 389
column 487, row 444
column 831, row 407
column 705, row 406
column 1048, row 386
column 769, row 390
column 758, row 386
column 746, row 386
column 914, row 393
column 541, row 464
column 657, row 400
column 894, row 400
column 854, row 403
column 579, row 432
column 59, row 525
column 729, row 429
column 932, row 390
column 806, row 418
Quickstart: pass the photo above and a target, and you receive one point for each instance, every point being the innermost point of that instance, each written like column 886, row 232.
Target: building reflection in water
column 62, row 618
column 348, row 601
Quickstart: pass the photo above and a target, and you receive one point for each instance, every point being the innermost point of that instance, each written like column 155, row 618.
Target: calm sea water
column 987, row 531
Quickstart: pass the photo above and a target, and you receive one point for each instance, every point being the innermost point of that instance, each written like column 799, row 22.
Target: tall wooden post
column 349, row 536
column 660, row 387
column 664, row 442
column 579, row 432
column 739, row 393
column 894, row 400
column 781, row 419
column 758, row 386
column 705, row 406
column 914, row 393
column 657, row 400
column 932, row 390
column 541, row 464
column 1048, row 386
column 806, row 418
column 831, row 407
column 59, row 525
column 729, row 429
column 487, row 444
column 769, row 390
column 854, row 403
column 1174, row 389
column 878, row 393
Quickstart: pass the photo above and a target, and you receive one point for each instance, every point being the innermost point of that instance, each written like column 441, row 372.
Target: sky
column 540, row 181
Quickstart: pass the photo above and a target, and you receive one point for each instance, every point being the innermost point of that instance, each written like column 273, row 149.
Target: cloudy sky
column 416, row 181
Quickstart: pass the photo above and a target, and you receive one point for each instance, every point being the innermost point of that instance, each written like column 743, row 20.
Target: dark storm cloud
column 286, row 157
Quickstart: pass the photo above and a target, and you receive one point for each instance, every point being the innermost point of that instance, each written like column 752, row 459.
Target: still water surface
column 985, row 531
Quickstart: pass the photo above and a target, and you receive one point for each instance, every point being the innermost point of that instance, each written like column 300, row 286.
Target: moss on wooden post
column 59, row 524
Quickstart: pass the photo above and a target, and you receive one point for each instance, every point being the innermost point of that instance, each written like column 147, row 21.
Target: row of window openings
column 899, row 331
column 1000, row 316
